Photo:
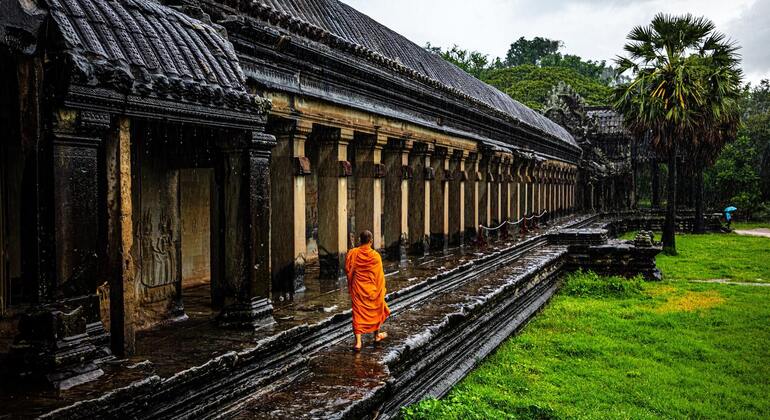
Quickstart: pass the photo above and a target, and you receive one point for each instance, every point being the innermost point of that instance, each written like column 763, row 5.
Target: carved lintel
column 94, row 122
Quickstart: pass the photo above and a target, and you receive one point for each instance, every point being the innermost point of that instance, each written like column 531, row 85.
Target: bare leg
column 358, row 344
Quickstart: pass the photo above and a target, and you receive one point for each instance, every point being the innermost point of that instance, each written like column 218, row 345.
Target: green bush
column 590, row 284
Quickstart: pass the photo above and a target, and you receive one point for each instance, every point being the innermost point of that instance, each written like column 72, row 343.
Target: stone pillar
column 289, row 167
column 439, row 200
column 505, row 189
column 471, row 181
column 516, row 190
column 397, row 176
column 368, row 181
column 536, row 184
column 484, row 201
column 494, row 192
column 457, row 187
column 522, row 189
column 120, row 238
column 61, row 335
column 529, row 182
column 243, row 172
column 333, row 173
column 419, row 197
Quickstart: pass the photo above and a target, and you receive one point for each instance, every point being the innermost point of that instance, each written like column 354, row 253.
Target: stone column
column 529, row 182
column 535, row 180
column 471, row 181
column 484, row 202
column 419, row 197
column 243, row 172
column 457, row 186
column 289, row 167
column 516, row 189
column 439, row 200
column 505, row 189
column 61, row 335
column 120, row 238
column 494, row 192
column 368, row 181
column 397, row 176
column 333, row 172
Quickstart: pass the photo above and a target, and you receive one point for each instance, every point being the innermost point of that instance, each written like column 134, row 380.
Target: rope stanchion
column 522, row 223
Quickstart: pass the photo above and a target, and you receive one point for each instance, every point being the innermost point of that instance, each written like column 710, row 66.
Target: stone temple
column 181, row 181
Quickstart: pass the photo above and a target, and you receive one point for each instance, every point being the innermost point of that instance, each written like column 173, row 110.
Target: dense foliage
column 741, row 174
column 532, row 68
column 531, row 85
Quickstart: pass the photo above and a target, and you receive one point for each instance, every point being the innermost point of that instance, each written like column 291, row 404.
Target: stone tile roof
column 143, row 48
column 608, row 122
column 353, row 27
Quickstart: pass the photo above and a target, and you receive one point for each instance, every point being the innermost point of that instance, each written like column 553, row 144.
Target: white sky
column 592, row 29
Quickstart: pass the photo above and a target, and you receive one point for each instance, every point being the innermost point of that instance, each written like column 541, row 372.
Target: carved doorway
column 175, row 212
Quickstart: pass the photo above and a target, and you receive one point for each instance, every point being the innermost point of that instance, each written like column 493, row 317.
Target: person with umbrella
column 728, row 215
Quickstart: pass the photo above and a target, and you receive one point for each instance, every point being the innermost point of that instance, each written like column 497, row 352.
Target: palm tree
column 668, row 96
column 720, row 116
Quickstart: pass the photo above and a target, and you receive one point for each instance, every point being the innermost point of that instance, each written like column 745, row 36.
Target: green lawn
column 615, row 348
column 716, row 256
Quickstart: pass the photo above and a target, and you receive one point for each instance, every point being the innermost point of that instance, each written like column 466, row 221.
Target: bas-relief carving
column 159, row 248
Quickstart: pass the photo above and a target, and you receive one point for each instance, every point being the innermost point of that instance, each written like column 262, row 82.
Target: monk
column 366, row 283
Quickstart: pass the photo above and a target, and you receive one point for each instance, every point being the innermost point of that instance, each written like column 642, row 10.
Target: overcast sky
column 592, row 29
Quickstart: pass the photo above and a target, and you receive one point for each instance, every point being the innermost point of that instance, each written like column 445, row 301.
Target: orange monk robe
column 366, row 283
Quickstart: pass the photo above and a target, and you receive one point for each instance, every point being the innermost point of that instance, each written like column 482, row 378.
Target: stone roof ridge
column 295, row 16
column 144, row 48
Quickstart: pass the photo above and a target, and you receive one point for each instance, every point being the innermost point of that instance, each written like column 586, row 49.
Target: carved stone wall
column 157, row 228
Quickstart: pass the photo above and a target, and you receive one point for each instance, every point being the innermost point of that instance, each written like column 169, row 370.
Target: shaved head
column 365, row 237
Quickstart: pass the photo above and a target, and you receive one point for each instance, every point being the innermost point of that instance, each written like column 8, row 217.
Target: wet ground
column 337, row 376
column 340, row 378
column 763, row 232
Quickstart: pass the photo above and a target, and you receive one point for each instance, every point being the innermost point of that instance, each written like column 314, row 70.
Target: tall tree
column 526, row 51
column 665, row 59
column 719, row 114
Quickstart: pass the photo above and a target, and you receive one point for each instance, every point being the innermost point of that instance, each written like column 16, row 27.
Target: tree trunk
column 655, row 183
column 669, row 228
column 700, row 223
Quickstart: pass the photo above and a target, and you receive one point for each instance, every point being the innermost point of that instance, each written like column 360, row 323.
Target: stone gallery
column 197, row 169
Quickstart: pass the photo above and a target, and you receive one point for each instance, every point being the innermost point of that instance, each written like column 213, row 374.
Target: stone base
column 331, row 266
column 439, row 242
column 253, row 314
column 289, row 280
column 57, row 347
column 420, row 248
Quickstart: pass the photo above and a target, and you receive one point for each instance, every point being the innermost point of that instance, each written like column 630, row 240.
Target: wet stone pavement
column 339, row 377
column 334, row 377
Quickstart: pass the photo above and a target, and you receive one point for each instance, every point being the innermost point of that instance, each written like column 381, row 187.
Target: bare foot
column 380, row 336
column 358, row 345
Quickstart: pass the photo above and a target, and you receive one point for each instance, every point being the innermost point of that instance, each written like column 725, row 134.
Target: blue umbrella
column 729, row 209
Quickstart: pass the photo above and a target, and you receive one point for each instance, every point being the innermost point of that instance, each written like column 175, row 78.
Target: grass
column 716, row 256
column 607, row 347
